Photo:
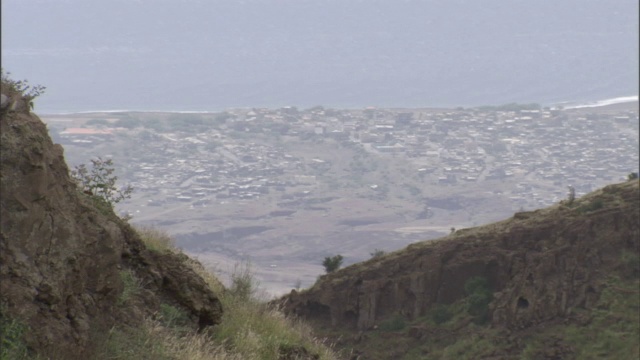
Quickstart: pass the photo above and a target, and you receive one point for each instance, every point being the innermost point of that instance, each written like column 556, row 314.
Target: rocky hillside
column 539, row 269
column 65, row 262
column 544, row 284
column 78, row 282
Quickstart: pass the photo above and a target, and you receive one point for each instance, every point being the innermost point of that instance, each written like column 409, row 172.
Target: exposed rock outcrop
column 540, row 265
column 61, row 258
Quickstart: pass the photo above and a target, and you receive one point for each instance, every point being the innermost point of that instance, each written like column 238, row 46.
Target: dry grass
column 192, row 346
column 250, row 329
column 257, row 331
column 155, row 239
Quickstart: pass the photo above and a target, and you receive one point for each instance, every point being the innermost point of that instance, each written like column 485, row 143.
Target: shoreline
column 618, row 101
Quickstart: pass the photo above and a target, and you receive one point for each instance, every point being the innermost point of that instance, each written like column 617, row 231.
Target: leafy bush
column 476, row 284
column 479, row 296
column 20, row 88
column 332, row 263
column 243, row 284
column 632, row 176
column 12, row 345
column 396, row 323
column 441, row 313
column 479, row 306
column 630, row 264
column 100, row 181
column 591, row 206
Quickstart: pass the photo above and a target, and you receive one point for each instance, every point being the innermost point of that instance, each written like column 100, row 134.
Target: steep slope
column 64, row 262
column 539, row 268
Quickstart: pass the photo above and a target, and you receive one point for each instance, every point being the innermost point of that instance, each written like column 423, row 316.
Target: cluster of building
column 586, row 149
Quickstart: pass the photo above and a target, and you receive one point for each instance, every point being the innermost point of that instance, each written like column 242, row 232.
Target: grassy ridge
column 250, row 329
column 608, row 331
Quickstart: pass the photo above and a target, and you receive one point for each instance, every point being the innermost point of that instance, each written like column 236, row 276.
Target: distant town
column 460, row 146
column 296, row 185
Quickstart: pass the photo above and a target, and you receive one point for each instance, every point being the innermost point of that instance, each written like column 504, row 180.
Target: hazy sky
column 210, row 55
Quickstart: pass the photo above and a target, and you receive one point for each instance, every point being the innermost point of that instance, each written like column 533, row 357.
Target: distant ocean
column 216, row 55
column 618, row 100
column 563, row 104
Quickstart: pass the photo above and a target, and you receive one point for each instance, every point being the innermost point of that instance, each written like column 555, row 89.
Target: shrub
column 243, row 284
column 630, row 264
column 100, row 181
column 476, row 284
column 441, row 313
column 174, row 318
column 479, row 297
column 591, row 206
column 131, row 286
column 396, row 323
column 479, row 306
column 12, row 345
column 632, row 176
column 20, row 88
column 332, row 263
column 155, row 239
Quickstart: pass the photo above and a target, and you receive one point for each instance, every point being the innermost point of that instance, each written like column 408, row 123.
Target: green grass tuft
column 12, row 345
column 395, row 323
column 441, row 314
column 249, row 328
column 155, row 239
column 131, row 286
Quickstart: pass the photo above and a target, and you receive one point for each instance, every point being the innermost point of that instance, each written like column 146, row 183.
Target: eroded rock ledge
column 540, row 265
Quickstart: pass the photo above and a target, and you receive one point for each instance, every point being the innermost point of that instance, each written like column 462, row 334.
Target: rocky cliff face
column 540, row 265
column 62, row 259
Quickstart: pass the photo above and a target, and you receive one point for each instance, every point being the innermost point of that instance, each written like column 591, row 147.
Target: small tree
column 632, row 176
column 332, row 263
column 20, row 88
column 479, row 296
column 441, row 313
column 99, row 181
column 244, row 285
